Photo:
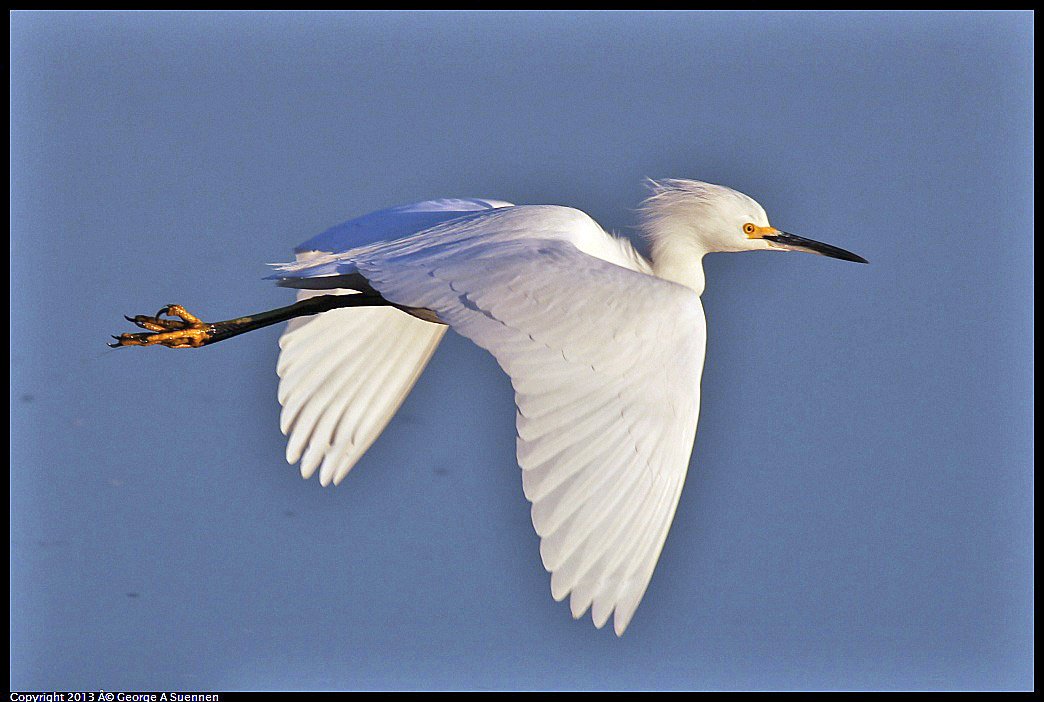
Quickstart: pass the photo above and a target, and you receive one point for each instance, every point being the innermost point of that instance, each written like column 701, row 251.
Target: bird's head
column 684, row 214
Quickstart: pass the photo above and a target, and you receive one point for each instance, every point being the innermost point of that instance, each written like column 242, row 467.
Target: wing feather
column 340, row 362
column 343, row 374
column 605, row 362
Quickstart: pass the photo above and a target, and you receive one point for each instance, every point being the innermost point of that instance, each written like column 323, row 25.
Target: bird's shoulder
column 526, row 226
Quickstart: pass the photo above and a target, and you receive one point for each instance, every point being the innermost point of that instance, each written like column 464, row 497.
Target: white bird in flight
column 603, row 346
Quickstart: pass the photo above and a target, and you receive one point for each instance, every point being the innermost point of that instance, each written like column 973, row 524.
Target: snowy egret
column 604, row 349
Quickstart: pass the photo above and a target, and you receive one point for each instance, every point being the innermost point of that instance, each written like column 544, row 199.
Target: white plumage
column 603, row 347
column 343, row 374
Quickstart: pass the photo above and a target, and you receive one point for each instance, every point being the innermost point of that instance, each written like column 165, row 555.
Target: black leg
column 188, row 331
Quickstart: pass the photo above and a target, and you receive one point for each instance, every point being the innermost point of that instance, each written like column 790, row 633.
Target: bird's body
column 604, row 349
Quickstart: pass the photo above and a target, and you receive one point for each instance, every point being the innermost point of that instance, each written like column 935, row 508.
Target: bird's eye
column 749, row 228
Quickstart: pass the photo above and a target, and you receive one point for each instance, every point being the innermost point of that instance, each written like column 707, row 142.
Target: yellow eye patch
column 754, row 232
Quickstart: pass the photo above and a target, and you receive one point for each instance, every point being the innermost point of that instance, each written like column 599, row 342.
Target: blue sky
column 858, row 512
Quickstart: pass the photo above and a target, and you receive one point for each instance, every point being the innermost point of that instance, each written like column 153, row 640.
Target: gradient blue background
column 859, row 509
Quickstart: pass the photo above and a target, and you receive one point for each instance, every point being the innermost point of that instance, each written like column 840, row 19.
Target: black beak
column 798, row 243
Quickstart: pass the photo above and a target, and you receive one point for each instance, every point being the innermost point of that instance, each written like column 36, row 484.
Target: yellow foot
column 185, row 332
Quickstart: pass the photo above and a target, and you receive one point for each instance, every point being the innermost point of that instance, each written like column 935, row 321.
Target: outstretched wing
column 605, row 363
column 343, row 374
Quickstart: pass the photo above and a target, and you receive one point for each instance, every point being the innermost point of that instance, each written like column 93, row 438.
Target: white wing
column 605, row 363
column 344, row 374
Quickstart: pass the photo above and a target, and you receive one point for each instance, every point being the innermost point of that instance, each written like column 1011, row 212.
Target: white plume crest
column 675, row 200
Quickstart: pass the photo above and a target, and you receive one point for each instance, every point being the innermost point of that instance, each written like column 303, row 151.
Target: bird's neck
column 679, row 259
